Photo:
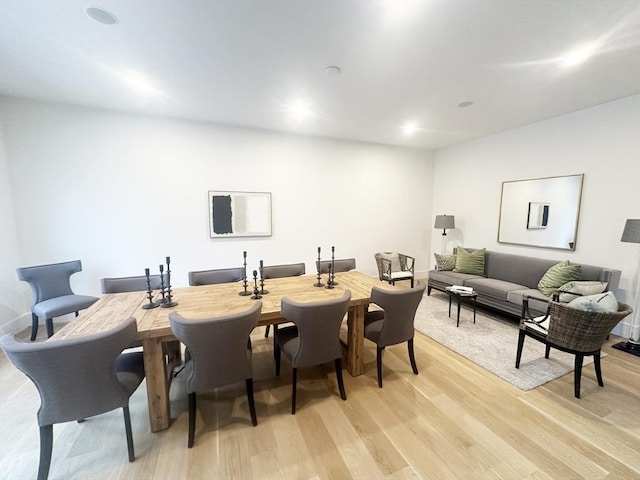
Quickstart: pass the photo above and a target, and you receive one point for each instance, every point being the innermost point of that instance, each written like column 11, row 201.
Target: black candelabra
column 319, row 282
column 168, row 301
column 151, row 303
column 262, row 290
column 163, row 300
column 244, row 292
column 256, row 293
column 332, row 277
column 330, row 281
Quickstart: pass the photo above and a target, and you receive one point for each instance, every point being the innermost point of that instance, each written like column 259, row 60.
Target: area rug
column 490, row 343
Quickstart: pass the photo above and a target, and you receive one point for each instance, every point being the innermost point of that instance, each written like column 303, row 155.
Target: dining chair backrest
column 217, row 347
column 341, row 265
column 49, row 281
column 130, row 284
column 221, row 275
column 399, row 308
column 280, row 271
column 318, row 325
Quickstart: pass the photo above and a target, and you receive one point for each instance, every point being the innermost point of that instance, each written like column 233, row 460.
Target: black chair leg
column 276, row 355
column 49, row 327
column 547, row 351
column 412, row 357
column 411, row 282
column 338, row 363
column 34, row 326
column 521, row 336
column 577, row 374
column 252, row 403
column 192, row 418
column 266, row 331
column 379, row 351
column 294, row 381
column 596, row 364
column 46, row 446
column 127, row 429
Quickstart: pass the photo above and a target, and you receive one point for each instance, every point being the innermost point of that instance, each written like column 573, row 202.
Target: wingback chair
column 314, row 339
column 79, row 377
column 394, row 323
column 282, row 271
column 52, row 294
column 221, row 275
column 394, row 266
column 578, row 332
column 219, row 354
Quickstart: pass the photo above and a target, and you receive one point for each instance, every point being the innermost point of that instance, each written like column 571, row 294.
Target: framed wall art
column 239, row 214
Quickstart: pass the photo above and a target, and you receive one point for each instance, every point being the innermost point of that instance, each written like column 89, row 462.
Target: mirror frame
column 560, row 196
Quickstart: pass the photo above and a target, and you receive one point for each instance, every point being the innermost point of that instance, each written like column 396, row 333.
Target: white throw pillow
column 394, row 259
column 581, row 288
column 602, row 302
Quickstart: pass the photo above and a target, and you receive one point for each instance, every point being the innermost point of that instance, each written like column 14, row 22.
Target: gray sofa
column 508, row 277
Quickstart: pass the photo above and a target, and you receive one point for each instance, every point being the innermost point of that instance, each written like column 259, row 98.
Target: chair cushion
column 130, row 370
column 55, row 307
column 470, row 262
column 399, row 275
column 445, row 262
column 577, row 289
column 602, row 302
column 288, row 340
column 558, row 275
column 373, row 322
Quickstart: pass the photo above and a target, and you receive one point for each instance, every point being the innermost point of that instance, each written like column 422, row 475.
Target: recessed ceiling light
column 409, row 128
column 139, row 83
column 578, row 55
column 101, row 15
column 332, row 70
column 299, row 110
column 465, row 104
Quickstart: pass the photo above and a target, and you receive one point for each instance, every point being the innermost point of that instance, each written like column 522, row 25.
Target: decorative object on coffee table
column 631, row 234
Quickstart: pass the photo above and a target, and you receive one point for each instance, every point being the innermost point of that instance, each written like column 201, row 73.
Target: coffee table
column 459, row 297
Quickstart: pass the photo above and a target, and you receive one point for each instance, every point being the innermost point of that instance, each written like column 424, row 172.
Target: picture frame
column 239, row 214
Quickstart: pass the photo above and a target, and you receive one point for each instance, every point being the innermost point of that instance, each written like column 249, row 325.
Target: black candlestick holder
column 162, row 300
column 256, row 293
column 151, row 303
column 244, row 292
column 169, row 300
column 262, row 290
column 330, row 282
column 333, row 267
column 319, row 267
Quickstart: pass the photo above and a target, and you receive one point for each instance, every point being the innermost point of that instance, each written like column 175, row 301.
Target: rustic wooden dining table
column 213, row 300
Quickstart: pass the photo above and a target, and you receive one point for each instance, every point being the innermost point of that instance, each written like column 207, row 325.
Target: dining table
column 204, row 301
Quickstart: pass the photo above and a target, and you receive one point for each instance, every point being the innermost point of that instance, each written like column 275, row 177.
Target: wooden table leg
column 157, row 384
column 355, row 329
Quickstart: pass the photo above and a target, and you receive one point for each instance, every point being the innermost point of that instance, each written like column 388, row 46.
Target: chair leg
column 294, row 381
column 46, row 446
column 411, row 282
column 127, row 429
column 412, row 357
column 192, row 418
column 338, row 363
column 521, row 336
column 252, row 403
column 34, row 326
column 379, row 351
column 276, row 354
column 49, row 327
column 266, row 331
column 547, row 351
column 596, row 364
column 428, row 290
column 577, row 375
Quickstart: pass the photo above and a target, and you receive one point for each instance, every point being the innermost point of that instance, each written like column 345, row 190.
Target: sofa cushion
column 445, row 262
column 452, row 278
column 537, row 300
column 558, row 275
column 580, row 288
column 601, row 302
column 492, row 287
column 472, row 263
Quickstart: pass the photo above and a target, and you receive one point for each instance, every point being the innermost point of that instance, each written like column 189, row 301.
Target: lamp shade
column 631, row 232
column 445, row 221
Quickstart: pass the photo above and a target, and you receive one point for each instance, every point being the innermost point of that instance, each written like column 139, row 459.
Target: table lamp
column 444, row 222
column 631, row 234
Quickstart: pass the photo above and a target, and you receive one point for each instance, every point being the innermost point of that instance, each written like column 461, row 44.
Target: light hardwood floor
column 452, row 421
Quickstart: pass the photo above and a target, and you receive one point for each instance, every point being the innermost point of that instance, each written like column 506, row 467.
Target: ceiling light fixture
column 332, row 70
column 299, row 110
column 101, row 15
column 578, row 55
column 139, row 83
column 410, row 128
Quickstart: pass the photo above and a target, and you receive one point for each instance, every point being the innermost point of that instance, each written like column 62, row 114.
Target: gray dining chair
column 77, row 378
column 282, row 271
column 340, row 265
column 52, row 294
column 218, row 354
column 314, row 338
column 394, row 323
column 220, row 275
column 130, row 284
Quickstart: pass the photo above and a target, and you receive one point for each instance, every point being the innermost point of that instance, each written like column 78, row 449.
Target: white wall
column 602, row 142
column 121, row 192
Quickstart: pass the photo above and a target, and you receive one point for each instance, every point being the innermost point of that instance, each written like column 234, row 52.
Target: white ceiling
column 242, row 62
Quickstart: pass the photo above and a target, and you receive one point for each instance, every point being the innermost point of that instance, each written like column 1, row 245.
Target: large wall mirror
column 541, row 212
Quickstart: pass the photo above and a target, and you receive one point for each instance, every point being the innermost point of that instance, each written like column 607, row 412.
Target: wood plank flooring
column 452, row 421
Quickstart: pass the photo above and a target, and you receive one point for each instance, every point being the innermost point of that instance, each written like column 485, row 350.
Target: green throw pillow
column 472, row 263
column 558, row 275
column 445, row 262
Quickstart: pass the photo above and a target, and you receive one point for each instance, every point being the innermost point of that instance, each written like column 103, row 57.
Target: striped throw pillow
column 558, row 275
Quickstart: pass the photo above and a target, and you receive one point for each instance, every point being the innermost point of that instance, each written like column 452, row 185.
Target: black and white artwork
column 239, row 214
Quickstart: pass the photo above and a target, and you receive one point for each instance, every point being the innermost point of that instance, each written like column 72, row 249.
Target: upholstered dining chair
column 341, row 265
column 282, row 271
column 79, row 377
column 219, row 354
column 52, row 294
column 130, row 284
column 394, row 323
column 394, row 266
column 578, row 332
column 220, row 275
column 314, row 338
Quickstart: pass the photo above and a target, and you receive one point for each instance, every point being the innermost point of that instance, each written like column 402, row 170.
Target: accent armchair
column 394, row 266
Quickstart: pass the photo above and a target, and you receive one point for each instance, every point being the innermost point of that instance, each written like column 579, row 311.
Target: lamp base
column 629, row 346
